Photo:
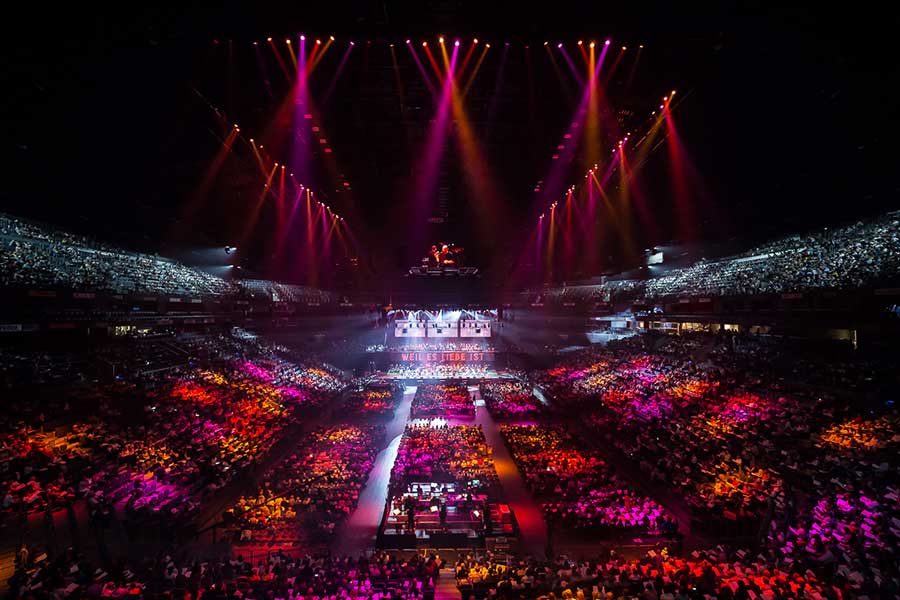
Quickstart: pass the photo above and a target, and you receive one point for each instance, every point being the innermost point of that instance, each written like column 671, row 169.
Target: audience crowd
column 444, row 478
column 455, row 454
column 383, row 576
column 36, row 255
column 375, row 400
column 156, row 446
column 509, row 400
column 446, row 400
column 32, row 255
column 715, row 573
column 302, row 499
column 864, row 254
column 856, row 256
column 792, row 447
column 749, row 438
column 283, row 292
column 577, row 488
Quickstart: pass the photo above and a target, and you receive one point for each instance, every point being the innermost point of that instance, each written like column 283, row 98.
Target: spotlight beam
column 634, row 65
column 426, row 78
column 430, row 159
column 474, row 72
column 467, row 58
column 554, row 178
column 572, row 67
column 498, row 85
column 434, row 65
column 337, row 73
column 250, row 223
column 290, row 50
column 321, row 55
column 281, row 64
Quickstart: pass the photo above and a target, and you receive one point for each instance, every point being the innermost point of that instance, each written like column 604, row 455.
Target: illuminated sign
column 442, row 357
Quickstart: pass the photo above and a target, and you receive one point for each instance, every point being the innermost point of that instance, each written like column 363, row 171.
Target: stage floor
column 412, row 379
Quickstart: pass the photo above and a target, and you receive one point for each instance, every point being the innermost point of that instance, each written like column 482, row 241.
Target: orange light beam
column 637, row 57
column 259, row 160
column 310, row 236
column 584, row 54
column 312, row 58
column 291, row 53
column 476, row 167
column 592, row 122
column 615, row 65
column 281, row 64
column 562, row 80
column 569, row 233
column 446, row 60
column 551, row 242
column 199, row 195
column 466, row 58
column 636, row 190
column 397, row 81
column 337, row 74
column 400, row 94
column 434, row 65
column 425, row 77
column 320, row 56
column 474, row 72
column 254, row 212
column 283, row 234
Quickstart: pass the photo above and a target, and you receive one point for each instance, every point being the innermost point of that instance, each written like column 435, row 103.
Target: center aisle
column 361, row 529
column 445, row 586
column 528, row 513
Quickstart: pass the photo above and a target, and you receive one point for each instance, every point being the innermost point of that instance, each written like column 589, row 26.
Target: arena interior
column 450, row 300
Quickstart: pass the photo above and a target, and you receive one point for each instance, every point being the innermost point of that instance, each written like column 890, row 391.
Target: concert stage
column 443, row 272
column 465, row 525
column 444, row 489
column 423, row 376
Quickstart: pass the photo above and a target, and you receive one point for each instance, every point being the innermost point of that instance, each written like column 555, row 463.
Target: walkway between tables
column 533, row 530
column 361, row 529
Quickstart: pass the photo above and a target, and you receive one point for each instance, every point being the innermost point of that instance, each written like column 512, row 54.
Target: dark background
column 108, row 123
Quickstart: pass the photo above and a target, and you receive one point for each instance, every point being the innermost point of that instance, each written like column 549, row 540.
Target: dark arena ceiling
column 116, row 125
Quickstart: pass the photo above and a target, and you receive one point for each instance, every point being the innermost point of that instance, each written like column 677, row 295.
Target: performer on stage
column 435, row 256
column 446, row 257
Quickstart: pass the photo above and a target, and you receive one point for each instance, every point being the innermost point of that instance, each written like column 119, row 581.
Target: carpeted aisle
column 527, row 511
column 361, row 529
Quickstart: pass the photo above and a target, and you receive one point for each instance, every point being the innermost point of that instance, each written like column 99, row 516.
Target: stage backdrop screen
column 475, row 329
column 409, row 329
column 442, row 329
